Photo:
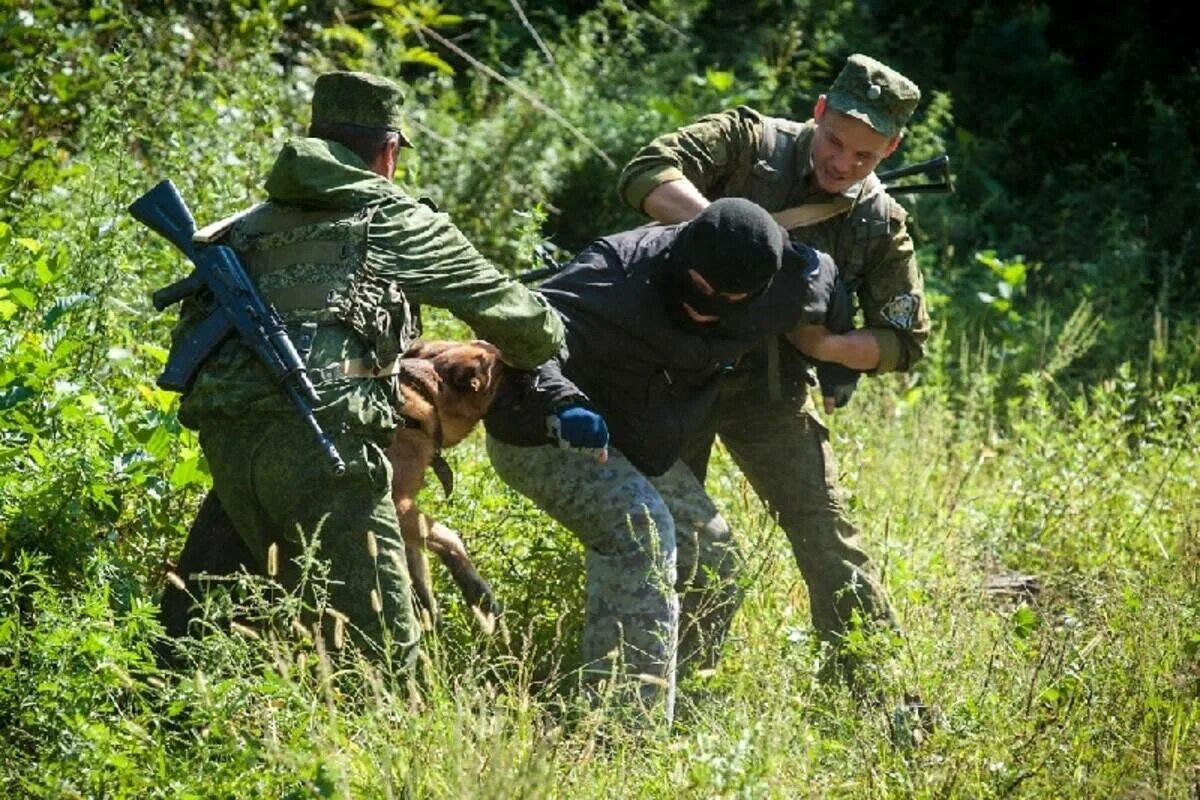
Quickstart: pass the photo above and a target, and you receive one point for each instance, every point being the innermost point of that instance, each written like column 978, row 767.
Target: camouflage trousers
column 278, row 491
column 649, row 544
column 783, row 449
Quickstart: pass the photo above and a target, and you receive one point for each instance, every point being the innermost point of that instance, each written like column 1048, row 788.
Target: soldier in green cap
column 817, row 178
column 346, row 257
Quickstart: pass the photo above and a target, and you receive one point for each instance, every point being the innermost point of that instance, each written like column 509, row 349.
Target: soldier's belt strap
column 299, row 297
column 354, row 368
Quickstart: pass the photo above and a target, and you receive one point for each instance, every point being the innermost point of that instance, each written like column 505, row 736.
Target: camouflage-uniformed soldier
column 345, row 256
column 817, row 178
column 654, row 317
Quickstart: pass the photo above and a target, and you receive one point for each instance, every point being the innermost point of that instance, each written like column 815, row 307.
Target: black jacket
column 633, row 355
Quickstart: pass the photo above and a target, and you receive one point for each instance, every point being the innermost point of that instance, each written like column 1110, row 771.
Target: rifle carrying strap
column 812, row 213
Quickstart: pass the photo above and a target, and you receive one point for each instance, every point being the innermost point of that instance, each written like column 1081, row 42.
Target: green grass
column 985, row 467
column 1090, row 689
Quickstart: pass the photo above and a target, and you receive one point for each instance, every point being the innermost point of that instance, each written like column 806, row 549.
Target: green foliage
column 1048, row 433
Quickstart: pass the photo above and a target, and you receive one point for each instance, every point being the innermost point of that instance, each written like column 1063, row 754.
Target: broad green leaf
column 24, row 297
column 186, row 472
column 422, row 55
column 721, row 80
column 1013, row 272
column 158, row 354
column 159, row 443
column 1025, row 620
column 42, row 268
column 32, row 245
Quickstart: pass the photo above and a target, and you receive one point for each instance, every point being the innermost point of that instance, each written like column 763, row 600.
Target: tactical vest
column 313, row 267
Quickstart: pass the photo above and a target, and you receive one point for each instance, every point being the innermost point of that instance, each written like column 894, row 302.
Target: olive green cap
column 358, row 98
column 875, row 93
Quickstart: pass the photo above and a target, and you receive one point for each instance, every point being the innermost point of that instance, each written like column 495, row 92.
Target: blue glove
column 577, row 426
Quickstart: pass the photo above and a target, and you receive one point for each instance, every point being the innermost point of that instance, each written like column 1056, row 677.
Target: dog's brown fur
column 447, row 387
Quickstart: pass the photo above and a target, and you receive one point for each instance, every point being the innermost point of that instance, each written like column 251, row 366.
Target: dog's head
column 469, row 375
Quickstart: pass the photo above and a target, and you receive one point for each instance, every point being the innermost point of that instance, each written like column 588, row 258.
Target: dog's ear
column 469, row 375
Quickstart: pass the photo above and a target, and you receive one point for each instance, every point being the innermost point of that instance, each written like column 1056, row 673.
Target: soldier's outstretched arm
column 433, row 262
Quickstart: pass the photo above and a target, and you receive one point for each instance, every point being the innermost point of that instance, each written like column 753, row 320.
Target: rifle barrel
column 939, row 165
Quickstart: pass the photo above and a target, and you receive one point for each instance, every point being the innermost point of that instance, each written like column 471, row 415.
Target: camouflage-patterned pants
column 649, row 542
column 277, row 489
column 783, row 450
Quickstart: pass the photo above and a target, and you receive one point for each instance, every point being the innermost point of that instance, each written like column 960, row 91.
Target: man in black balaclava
column 653, row 317
column 733, row 250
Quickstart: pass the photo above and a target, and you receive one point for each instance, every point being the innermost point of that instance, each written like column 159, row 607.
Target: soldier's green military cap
column 875, row 93
column 358, row 98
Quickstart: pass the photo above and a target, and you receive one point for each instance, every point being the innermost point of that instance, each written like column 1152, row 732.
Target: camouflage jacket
column 408, row 245
column 724, row 155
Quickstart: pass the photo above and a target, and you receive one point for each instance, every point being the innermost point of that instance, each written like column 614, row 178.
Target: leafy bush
column 1048, row 435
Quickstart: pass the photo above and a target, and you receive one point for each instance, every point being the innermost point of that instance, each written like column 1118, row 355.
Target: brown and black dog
column 447, row 388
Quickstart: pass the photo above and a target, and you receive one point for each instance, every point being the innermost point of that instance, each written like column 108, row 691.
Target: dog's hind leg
column 447, row 545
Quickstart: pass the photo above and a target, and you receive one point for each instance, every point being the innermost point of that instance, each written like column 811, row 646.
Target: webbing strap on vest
column 309, row 251
column 300, row 298
column 773, row 174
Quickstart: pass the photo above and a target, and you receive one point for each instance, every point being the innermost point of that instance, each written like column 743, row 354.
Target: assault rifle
column 938, row 167
column 237, row 308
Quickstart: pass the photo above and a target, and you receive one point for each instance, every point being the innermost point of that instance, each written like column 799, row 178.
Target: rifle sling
column 812, row 213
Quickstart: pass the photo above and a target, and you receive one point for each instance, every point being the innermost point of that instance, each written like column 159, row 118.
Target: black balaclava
column 735, row 245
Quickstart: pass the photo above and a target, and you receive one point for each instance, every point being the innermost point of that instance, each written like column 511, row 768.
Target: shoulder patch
column 427, row 202
column 901, row 311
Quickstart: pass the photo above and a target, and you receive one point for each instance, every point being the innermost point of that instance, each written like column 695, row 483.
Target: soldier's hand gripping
column 580, row 428
column 838, row 383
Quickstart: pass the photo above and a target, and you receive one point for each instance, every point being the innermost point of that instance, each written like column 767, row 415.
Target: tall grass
column 1081, row 679
column 1088, row 687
